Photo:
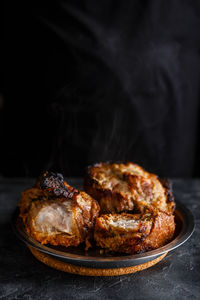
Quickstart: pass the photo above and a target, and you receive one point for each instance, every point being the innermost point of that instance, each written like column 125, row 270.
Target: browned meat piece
column 133, row 233
column 127, row 187
column 55, row 213
column 48, row 185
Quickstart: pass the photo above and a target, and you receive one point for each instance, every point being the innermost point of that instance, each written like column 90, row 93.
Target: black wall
column 90, row 81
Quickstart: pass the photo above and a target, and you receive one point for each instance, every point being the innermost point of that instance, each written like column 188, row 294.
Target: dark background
column 89, row 81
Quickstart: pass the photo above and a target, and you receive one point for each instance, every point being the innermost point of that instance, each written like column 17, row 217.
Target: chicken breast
column 56, row 213
column 128, row 187
column 133, row 233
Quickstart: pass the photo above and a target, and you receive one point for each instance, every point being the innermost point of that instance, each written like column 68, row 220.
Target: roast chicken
column 128, row 187
column 54, row 212
column 133, row 233
column 136, row 207
column 126, row 209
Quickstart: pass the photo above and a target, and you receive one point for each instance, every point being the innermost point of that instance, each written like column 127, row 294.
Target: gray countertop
column 177, row 276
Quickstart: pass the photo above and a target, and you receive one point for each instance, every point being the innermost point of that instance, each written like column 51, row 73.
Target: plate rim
column 115, row 261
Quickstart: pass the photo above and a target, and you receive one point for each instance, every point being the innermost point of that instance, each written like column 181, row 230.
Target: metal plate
column 93, row 259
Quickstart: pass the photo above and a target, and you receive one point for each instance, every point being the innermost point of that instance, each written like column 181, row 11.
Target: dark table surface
column 177, row 276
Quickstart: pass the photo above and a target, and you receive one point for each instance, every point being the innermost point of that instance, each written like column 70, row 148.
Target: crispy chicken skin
column 56, row 213
column 128, row 187
column 133, row 233
column 136, row 209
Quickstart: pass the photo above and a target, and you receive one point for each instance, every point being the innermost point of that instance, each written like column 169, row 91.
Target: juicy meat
column 133, row 233
column 128, row 187
column 56, row 213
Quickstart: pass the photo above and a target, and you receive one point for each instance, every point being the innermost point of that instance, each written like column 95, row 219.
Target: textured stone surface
column 23, row 277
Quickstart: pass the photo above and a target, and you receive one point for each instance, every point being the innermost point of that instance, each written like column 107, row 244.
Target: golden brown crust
column 119, row 188
column 127, row 187
column 55, row 213
column 152, row 232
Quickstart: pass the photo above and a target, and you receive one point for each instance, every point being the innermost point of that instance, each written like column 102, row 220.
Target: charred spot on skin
column 46, row 177
column 170, row 196
column 168, row 186
column 165, row 182
column 51, row 180
column 54, row 182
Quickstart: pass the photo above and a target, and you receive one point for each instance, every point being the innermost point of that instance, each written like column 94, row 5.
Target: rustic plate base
column 74, row 269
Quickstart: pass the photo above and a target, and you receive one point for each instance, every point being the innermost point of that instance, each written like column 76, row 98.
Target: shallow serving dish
column 93, row 257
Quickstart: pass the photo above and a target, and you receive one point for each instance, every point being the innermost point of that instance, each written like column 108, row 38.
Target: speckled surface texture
column 177, row 276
